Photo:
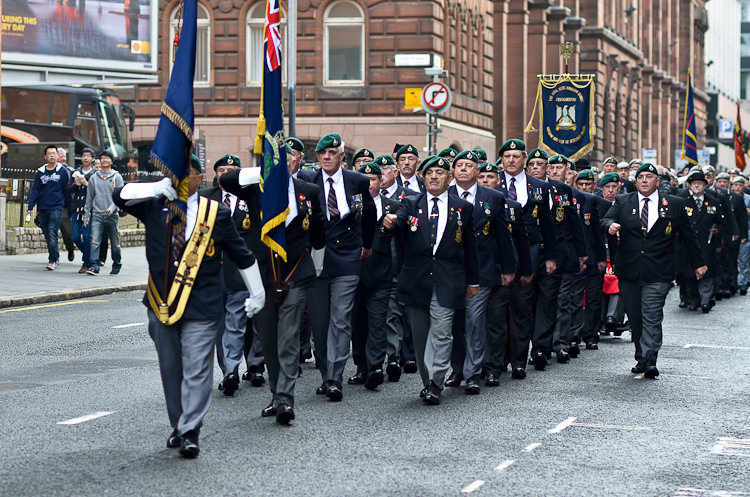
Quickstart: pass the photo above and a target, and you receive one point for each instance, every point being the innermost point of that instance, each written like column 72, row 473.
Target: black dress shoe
column 692, row 307
column 269, row 410
column 563, row 357
column 334, row 393
column 189, row 448
column 422, row 393
column 230, row 384
column 322, row 389
column 651, row 372
column 174, row 440
column 358, row 379
column 432, row 395
column 284, row 413
column 592, row 346
column 682, row 305
column 743, row 291
column 610, row 323
column 257, row 379
column 638, row 368
column 706, row 309
column 393, row 370
column 71, row 255
column 374, row 378
column 454, row 380
column 574, row 350
column 491, row 380
column 518, row 373
column 472, row 386
column 539, row 361
column 410, row 367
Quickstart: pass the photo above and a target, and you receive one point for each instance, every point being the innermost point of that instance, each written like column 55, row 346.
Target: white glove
column 318, row 257
column 133, row 193
column 251, row 276
column 249, row 176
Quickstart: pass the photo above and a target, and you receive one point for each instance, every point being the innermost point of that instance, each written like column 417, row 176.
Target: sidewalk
column 24, row 281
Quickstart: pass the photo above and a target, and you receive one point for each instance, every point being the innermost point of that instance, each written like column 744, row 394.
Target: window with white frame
column 202, row 45
column 254, row 57
column 344, row 44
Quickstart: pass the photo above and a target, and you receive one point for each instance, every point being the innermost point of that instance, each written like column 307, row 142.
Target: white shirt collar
column 443, row 197
column 337, row 177
column 412, row 181
column 392, row 189
column 472, row 190
column 653, row 198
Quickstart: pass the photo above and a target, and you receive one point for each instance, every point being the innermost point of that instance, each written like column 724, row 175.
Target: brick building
column 347, row 79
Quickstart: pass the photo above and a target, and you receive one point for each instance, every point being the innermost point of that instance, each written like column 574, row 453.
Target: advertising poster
column 110, row 35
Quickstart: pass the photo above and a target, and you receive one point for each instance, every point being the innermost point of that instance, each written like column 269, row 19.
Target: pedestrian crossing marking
column 563, row 425
column 473, row 486
column 505, row 465
column 88, row 417
column 727, row 446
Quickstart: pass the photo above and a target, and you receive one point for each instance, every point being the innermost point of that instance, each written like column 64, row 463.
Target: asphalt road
column 588, row 428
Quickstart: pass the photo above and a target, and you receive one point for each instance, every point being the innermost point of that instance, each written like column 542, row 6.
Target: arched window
column 344, row 44
column 254, row 58
column 202, row 45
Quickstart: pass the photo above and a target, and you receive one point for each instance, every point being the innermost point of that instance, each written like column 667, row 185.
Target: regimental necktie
column 644, row 217
column 465, row 196
column 333, row 205
column 434, row 214
column 178, row 245
column 406, row 184
column 384, row 192
column 698, row 203
column 512, row 189
column 227, row 203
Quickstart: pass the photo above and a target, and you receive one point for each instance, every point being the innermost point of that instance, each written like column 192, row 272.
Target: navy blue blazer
column 494, row 245
column 537, row 219
column 514, row 218
column 206, row 298
column 455, row 264
column 347, row 236
column 588, row 209
column 380, row 268
column 570, row 238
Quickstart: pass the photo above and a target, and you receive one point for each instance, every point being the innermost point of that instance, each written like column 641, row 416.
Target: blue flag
column 689, row 142
column 274, row 203
column 174, row 137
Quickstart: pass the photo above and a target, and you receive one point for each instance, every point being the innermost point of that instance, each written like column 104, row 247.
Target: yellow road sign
column 412, row 98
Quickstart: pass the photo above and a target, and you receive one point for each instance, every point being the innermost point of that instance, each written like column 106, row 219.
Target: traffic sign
column 436, row 98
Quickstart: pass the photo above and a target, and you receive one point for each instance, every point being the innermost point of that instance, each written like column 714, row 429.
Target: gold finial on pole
column 566, row 52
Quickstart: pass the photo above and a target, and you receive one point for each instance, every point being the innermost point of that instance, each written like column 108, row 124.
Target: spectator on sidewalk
column 49, row 194
column 102, row 213
column 104, row 245
column 79, row 187
column 66, row 225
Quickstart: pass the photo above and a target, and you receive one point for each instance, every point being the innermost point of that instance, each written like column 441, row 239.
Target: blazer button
column 337, row 241
column 430, row 274
column 641, row 251
column 433, row 257
column 349, row 228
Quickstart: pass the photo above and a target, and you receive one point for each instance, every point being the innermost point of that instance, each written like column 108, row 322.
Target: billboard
column 107, row 35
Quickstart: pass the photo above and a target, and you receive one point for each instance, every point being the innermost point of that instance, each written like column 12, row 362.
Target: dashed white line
column 88, row 417
column 702, row 492
column 531, row 447
column 612, row 427
column 127, row 325
column 504, row 465
column 704, row 346
column 563, row 425
column 727, row 446
column 473, row 486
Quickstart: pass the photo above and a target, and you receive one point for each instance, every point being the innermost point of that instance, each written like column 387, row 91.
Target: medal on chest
column 459, row 227
column 560, row 214
column 668, row 229
column 486, row 229
column 306, row 220
column 535, row 212
column 246, row 222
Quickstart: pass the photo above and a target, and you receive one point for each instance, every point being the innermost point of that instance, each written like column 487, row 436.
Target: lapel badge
column 246, row 222
column 668, row 229
column 664, row 201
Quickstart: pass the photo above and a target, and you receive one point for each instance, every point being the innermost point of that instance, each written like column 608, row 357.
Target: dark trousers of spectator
column 49, row 221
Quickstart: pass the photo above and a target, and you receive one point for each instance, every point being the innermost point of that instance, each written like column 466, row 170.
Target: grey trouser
column 615, row 308
column 570, row 297
column 644, row 303
column 278, row 329
column 329, row 304
column 233, row 338
column 700, row 290
column 475, row 330
column 185, row 352
column 433, row 339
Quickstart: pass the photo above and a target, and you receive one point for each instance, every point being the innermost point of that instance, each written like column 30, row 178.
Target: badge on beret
column 409, row 149
column 368, row 169
column 453, row 153
column 537, row 154
column 230, row 161
column 366, row 153
column 383, row 161
column 335, row 142
column 469, row 156
column 512, row 144
column 289, row 142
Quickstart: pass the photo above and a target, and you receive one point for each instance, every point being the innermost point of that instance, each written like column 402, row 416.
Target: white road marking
column 704, row 346
column 85, row 418
column 504, row 465
column 471, row 487
column 563, row 425
column 727, row 446
column 612, row 427
column 702, row 492
column 531, row 447
column 688, row 376
column 127, row 325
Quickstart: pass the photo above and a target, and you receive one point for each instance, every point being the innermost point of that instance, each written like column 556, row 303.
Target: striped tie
column 465, row 195
column 512, row 189
column 178, row 245
column 227, row 203
column 333, row 206
column 644, row 217
column 434, row 214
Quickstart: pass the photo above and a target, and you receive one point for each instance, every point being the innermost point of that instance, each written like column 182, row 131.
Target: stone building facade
column 347, row 79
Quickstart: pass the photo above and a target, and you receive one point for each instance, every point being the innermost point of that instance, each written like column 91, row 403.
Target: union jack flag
column 272, row 35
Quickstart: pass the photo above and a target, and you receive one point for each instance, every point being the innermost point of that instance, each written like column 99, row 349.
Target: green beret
column 538, row 153
column 227, row 160
column 407, row 149
column 195, row 163
column 311, row 167
column 370, row 168
column 609, row 160
column 559, row 159
column 609, row 178
column 448, row 153
column 572, row 165
column 329, row 140
column 481, row 154
column 426, row 161
column 512, row 144
column 385, row 160
column 646, row 168
column 586, row 174
column 440, row 162
column 295, row 144
column 488, row 168
column 468, row 155
column 364, row 152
